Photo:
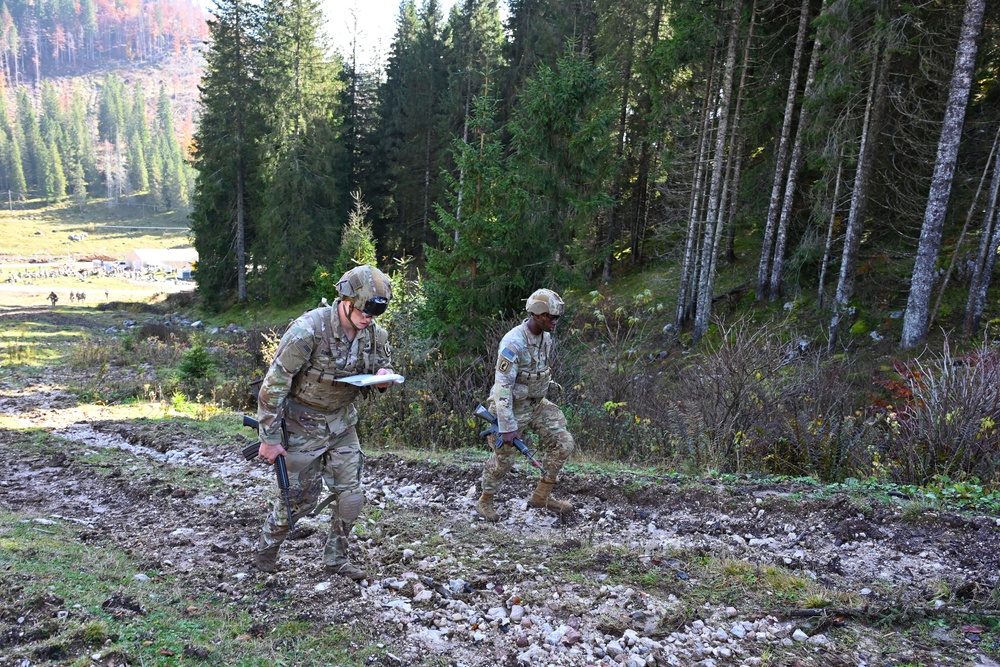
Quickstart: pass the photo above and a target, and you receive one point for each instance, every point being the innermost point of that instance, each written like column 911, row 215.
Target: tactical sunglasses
column 375, row 306
column 554, row 318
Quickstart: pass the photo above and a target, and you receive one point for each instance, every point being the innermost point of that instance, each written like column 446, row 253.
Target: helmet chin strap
column 349, row 309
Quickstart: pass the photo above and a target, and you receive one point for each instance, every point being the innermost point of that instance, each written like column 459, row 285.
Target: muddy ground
column 534, row 589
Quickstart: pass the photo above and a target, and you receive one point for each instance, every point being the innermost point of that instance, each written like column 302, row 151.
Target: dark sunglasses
column 375, row 306
column 554, row 318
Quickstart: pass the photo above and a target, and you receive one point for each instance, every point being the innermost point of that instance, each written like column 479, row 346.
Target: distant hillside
column 46, row 38
column 99, row 101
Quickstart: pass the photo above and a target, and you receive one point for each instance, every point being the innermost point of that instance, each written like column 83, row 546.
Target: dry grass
column 44, row 233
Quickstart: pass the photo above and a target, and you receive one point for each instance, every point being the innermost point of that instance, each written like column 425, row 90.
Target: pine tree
column 381, row 145
column 58, row 175
column 81, row 139
column 305, row 166
column 412, row 120
column 14, row 171
column 29, row 139
column 174, row 165
column 78, row 182
column 357, row 243
column 480, row 265
column 138, row 141
column 156, row 185
column 225, row 213
column 563, row 156
column 111, row 109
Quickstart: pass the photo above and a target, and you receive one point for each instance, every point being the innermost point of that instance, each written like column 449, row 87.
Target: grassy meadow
column 38, row 238
column 43, row 232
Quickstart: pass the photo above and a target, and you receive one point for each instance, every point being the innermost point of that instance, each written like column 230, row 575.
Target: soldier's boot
column 542, row 499
column 485, row 507
column 352, row 572
column 266, row 558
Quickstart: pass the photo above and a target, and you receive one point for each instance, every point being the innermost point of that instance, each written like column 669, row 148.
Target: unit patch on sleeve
column 506, row 359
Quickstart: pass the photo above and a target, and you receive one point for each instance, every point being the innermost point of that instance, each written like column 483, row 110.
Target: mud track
column 443, row 585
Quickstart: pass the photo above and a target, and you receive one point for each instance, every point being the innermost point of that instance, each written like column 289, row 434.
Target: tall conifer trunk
column 781, row 156
column 831, row 223
column 859, row 194
column 706, row 281
column 915, row 322
column 791, row 183
column 986, row 256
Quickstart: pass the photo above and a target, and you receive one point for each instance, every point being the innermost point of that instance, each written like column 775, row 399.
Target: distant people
column 81, row 296
column 53, row 298
column 106, row 298
column 72, row 297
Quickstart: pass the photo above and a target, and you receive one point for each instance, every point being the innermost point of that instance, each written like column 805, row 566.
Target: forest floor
column 650, row 569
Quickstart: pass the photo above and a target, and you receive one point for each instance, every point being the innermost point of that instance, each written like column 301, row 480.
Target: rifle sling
column 323, row 504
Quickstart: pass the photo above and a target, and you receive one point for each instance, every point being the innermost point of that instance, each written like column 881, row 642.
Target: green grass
column 44, row 232
column 46, row 567
column 35, row 343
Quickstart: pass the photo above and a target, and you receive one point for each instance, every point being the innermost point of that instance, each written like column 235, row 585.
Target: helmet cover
column 369, row 288
column 545, row 301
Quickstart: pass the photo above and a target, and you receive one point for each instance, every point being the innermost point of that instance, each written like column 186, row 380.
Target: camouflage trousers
column 544, row 418
column 317, row 457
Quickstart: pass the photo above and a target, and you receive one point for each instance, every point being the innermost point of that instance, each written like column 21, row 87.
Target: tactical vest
column 315, row 386
column 536, row 383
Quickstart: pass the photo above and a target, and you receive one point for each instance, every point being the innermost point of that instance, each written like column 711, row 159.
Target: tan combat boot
column 352, row 572
column 485, row 507
column 266, row 558
column 542, row 498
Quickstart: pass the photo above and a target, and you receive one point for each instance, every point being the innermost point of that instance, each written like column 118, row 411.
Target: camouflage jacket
column 300, row 384
column 523, row 372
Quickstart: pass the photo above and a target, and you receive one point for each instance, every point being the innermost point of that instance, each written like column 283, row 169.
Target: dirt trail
column 443, row 583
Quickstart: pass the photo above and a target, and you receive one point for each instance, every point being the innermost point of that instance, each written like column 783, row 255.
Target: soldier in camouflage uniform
column 320, row 346
column 522, row 382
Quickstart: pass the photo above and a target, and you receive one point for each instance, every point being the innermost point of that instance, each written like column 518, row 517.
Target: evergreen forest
column 76, row 122
column 807, row 143
column 759, row 211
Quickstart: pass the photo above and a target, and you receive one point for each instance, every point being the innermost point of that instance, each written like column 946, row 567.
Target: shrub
column 160, row 332
column 611, row 380
column 944, row 419
column 197, row 364
column 357, row 247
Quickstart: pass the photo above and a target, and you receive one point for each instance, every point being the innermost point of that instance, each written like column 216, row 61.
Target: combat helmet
column 368, row 287
column 545, row 301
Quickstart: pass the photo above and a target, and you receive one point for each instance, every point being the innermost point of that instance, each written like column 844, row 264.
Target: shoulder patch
column 506, row 359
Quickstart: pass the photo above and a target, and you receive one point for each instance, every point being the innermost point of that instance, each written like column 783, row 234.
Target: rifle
column 494, row 429
column 250, row 452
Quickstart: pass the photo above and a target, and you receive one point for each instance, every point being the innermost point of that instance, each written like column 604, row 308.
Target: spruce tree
column 477, row 268
column 226, row 206
column 138, row 141
column 174, row 165
column 111, row 109
column 305, row 167
column 58, row 188
column 563, row 156
column 413, row 122
column 14, row 182
column 29, row 138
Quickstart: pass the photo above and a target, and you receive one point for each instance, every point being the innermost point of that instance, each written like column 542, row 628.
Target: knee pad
column 349, row 506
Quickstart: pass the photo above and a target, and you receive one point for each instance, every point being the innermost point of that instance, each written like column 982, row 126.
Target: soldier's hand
column 510, row 436
column 383, row 385
column 270, row 452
